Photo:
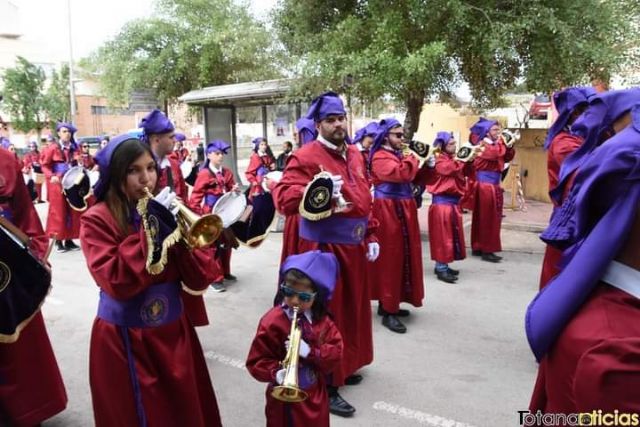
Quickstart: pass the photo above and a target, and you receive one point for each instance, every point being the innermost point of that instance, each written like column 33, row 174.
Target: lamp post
column 347, row 84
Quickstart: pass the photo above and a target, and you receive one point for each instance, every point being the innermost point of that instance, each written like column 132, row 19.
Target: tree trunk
column 413, row 101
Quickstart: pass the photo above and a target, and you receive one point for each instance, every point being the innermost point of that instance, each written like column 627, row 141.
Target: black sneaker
column 394, row 324
column 491, row 257
column 445, row 276
column 338, row 406
column 401, row 312
column 70, row 246
column 230, row 277
column 218, row 287
column 60, row 247
column 452, row 271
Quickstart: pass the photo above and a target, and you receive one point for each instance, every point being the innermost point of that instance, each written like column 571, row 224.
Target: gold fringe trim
column 260, row 238
column 169, row 241
column 193, row 291
column 10, row 339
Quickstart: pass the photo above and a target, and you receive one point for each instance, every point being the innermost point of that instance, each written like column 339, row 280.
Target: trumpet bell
column 199, row 231
column 288, row 393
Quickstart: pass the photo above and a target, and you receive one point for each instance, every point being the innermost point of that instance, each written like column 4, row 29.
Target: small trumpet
column 289, row 391
column 510, row 138
column 197, row 231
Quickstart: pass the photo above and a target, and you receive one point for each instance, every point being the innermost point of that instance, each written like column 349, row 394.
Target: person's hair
column 288, row 144
column 318, row 308
column 115, row 198
column 269, row 152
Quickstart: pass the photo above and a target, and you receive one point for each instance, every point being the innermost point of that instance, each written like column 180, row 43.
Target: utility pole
column 72, row 93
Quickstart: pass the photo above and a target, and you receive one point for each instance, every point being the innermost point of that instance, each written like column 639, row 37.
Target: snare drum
column 230, row 207
column 76, row 188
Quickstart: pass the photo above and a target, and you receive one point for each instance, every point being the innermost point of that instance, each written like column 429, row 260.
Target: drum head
column 76, row 187
column 273, row 176
column 93, row 177
column 186, row 167
column 230, row 207
column 73, row 176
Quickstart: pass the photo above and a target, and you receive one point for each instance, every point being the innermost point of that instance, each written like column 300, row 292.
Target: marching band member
column 396, row 276
column 467, row 201
column 31, row 166
column 489, row 198
column 180, row 152
column 212, row 182
column 260, row 164
column 583, row 326
column 308, row 281
column 348, row 234
column 559, row 143
column 63, row 222
column 159, row 134
column 364, row 139
column 85, row 158
column 31, row 387
column 143, row 347
column 446, row 232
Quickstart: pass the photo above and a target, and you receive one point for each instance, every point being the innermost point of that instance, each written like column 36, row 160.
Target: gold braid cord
column 169, row 241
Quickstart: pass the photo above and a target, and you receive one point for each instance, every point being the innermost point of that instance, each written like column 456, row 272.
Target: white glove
column 337, row 186
column 166, row 198
column 431, row 162
column 280, row 376
column 304, row 347
column 373, row 251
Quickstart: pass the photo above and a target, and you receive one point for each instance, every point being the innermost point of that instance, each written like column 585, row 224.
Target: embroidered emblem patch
column 154, row 310
column 358, row 232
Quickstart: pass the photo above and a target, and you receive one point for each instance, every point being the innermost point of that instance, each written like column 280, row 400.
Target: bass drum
column 24, row 284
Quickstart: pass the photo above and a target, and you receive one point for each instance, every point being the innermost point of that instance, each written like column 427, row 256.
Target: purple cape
column 566, row 101
column 384, row 127
column 369, row 130
column 592, row 224
column 442, row 138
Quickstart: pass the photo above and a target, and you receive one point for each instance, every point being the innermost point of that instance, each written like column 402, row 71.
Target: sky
column 92, row 21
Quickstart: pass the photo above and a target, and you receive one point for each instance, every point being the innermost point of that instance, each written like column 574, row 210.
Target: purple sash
column 444, row 199
column 211, row 199
column 262, row 171
column 489, row 177
column 393, row 190
column 335, row 229
column 158, row 305
column 60, row 168
column 6, row 213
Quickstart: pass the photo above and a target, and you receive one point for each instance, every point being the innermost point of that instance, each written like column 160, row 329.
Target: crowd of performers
column 351, row 236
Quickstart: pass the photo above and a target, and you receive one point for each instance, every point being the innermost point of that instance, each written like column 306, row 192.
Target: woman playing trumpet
column 308, row 282
column 143, row 347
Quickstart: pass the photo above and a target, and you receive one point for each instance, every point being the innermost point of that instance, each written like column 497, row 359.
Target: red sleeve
column 229, row 180
column 388, row 168
column 563, row 145
column 25, row 216
column 198, row 191
column 180, row 185
column 193, row 266
column 26, row 163
column 326, row 349
column 252, row 170
column 425, row 176
column 448, row 167
column 289, row 191
column 117, row 266
column 492, row 151
column 266, row 351
column 372, row 227
column 46, row 160
column 509, row 154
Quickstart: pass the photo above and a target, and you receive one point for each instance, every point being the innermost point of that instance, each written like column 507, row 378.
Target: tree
column 57, row 99
column 412, row 49
column 186, row 44
column 23, row 94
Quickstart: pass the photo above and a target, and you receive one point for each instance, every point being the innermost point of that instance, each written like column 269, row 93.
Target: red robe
column 268, row 350
column 29, row 160
column 86, row 160
column 63, row 222
column 563, row 144
column 31, row 387
column 210, row 184
column 179, row 186
column 180, row 155
column 350, row 303
column 595, row 362
column 170, row 366
column 396, row 276
column 256, row 170
column 446, row 232
column 487, row 211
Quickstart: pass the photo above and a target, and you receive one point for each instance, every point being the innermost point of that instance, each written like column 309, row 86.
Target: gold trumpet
column 197, row 231
column 289, row 391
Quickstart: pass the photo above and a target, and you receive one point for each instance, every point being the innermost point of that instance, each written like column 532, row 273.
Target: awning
column 247, row 93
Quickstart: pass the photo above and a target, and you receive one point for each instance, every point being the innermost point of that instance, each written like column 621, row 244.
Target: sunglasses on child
column 302, row 296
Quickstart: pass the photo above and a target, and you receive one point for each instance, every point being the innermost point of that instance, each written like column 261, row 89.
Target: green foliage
column 57, row 99
column 411, row 49
column 24, row 98
column 185, row 45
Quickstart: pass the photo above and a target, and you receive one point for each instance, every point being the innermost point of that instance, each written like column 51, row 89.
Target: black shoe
column 491, row 257
column 354, row 379
column 445, row 276
column 60, row 247
column 401, row 312
column 70, row 246
column 452, row 271
column 339, row 406
column 393, row 324
column 476, row 252
column 230, row 277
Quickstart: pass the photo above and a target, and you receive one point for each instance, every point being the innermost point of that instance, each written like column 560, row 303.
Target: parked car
column 539, row 108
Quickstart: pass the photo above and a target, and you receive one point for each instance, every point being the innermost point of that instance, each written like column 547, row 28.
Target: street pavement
column 463, row 362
